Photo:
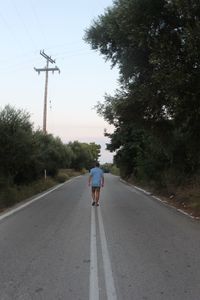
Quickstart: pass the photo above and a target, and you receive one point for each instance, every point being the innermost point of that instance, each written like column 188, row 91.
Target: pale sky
column 57, row 27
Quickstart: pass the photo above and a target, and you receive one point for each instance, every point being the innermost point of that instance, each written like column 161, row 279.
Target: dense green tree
column 51, row 154
column 16, row 144
column 25, row 154
column 84, row 154
column 156, row 46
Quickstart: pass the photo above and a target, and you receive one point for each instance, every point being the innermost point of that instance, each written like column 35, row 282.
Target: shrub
column 8, row 197
column 62, row 178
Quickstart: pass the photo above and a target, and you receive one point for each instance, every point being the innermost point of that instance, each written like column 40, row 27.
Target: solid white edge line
column 109, row 280
column 94, row 286
column 162, row 201
column 14, row 210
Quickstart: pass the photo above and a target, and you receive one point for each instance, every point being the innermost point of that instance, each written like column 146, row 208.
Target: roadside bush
column 8, row 197
column 11, row 195
column 115, row 170
column 84, row 171
column 62, row 178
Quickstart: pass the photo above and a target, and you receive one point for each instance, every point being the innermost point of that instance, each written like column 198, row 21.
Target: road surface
column 130, row 247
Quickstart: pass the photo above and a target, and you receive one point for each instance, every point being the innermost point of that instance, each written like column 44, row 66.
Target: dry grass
column 185, row 197
column 11, row 195
column 189, row 197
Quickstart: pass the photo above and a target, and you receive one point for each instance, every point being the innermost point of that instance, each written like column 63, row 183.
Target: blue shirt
column 97, row 175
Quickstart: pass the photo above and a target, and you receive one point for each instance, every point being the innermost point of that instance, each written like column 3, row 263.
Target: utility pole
column 46, row 70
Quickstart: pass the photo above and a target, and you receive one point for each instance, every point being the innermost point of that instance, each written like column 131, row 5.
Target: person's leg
column 93, row 196
column 97, row 195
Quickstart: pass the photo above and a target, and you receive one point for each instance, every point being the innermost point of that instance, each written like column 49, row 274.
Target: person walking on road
column 96, row 181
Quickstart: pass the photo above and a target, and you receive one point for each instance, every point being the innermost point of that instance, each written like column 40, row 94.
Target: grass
column 185, row 196
column 189, row 197
column 10, row 195
column 115, row 171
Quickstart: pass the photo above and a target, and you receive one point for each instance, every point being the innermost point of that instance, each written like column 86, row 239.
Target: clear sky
column 57, row 27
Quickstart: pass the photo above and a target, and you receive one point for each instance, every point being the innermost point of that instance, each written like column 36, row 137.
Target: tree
column 84, row 154
column 51, row 154
column 156, row 46
column 16, row 145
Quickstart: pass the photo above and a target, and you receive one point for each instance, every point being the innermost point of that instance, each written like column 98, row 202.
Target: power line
column 23, row 23
column 39, row 25
column 46, row 70
column 9, row 28
column 23, row 61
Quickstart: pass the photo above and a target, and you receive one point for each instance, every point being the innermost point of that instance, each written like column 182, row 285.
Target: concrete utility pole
column 46, row 69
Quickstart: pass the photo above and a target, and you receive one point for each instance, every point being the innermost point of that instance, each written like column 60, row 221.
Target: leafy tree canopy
column 156, row 46
column 25, row 153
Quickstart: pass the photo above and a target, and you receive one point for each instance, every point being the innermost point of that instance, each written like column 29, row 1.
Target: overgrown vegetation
column 25, row 156
column 156, row 110
column 110, row 168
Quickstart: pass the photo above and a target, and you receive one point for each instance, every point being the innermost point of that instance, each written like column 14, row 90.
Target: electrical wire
column 26, row 30
column 39, row 25
column 10, row 30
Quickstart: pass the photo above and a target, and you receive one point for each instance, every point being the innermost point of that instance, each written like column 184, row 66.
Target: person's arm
column 89, row 180
column 102, row 180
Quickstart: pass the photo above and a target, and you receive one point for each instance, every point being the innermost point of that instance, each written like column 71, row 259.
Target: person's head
column 97, row 164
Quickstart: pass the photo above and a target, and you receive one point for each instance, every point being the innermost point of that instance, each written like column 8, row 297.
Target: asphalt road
column 130, row 247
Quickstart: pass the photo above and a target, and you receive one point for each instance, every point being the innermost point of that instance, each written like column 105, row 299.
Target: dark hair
column 97, row 164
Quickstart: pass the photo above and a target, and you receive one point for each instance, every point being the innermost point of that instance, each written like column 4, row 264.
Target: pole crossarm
column 47, row 69
column 47, row 57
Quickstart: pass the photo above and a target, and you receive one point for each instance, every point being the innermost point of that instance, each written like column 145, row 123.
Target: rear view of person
column 96, row 181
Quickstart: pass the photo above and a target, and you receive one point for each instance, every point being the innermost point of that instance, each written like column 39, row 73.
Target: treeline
column 156, row 110
column 25, row 153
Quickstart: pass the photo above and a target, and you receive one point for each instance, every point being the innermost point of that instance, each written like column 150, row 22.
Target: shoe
column 93, row 203
column 97, row 204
